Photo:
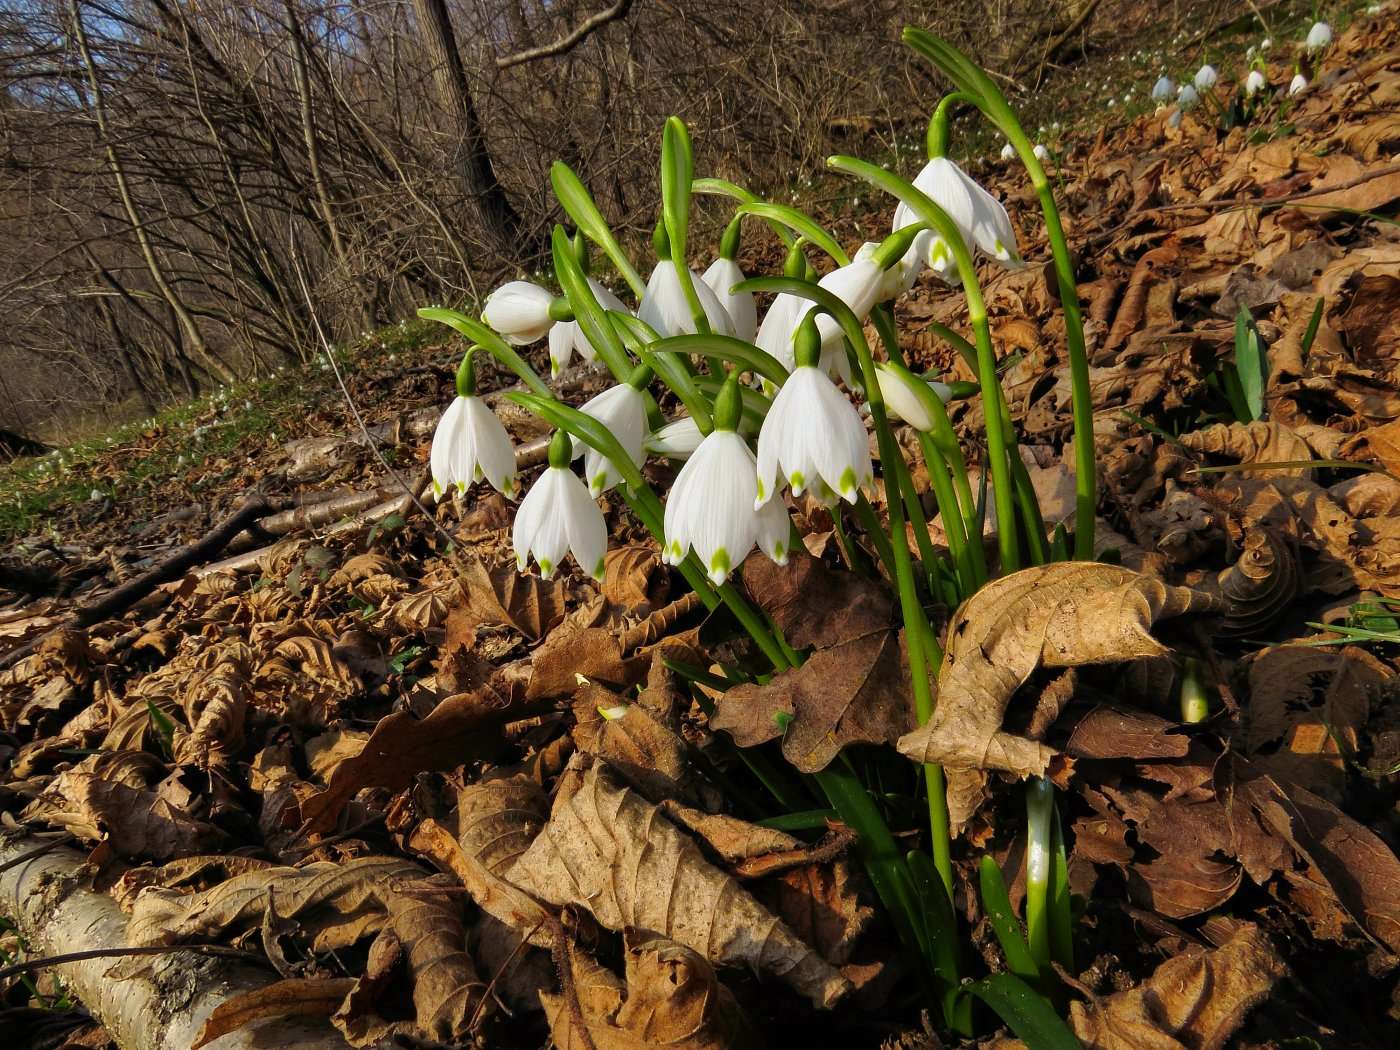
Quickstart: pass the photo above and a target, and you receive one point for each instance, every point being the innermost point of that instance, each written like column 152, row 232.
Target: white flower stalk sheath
column 666, row 309
column 559, row 517
column 1206, row 77
column 623, row 410
column 903, row 400
column 812, row 432
column 721, row 276
column 1297, row 85
column 1255, row 83
column 1163, row 90
column 979, row 216
column 567, row 337
column 519, row 311
column 1319, row 36
column 713, row 509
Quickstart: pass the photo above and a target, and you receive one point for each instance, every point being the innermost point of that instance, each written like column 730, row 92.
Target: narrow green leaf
column 1251, row 362
column 492, row 343
column 586, row 429
column 588, row 312
column 670, row 368
column 803, row 224
column 164, row 727
column 723, row 188
column 577, row 202
column 737, row 352
column 1314, row 322
column 677, row 173
column 1061, row 912
column 996, row 902
column 1025, row 1012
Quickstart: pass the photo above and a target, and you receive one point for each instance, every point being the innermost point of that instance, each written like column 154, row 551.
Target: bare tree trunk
column 499, row 221
column 191, row 331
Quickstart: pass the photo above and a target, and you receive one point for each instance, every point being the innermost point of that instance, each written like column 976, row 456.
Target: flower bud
column 519, row 311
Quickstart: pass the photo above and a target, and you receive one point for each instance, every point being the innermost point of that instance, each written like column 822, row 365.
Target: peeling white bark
column 150, row 1003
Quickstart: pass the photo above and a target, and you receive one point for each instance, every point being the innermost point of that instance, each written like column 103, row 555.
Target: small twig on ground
column 30, row 965
column 39, row 851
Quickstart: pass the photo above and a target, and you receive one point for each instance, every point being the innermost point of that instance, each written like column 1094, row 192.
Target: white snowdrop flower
column 95, row 495
column 1206, row 77
column 1041, row 152
column 906, row 395
column 664, row 305
column 858, row 284
column 559, row 517
column 1297, row 85
column 721, row 276
column 1255, row 83
column 519, row 311
column 812, row 432
column 1319, row 36
column 1186, row 96
column 623, row 410
column 712, row 507
column 980, row 218
column 470, row 443
column 677, row 439
column 1373, row 9
column 566, row 337
column 1008, row 152
column 1266, row 43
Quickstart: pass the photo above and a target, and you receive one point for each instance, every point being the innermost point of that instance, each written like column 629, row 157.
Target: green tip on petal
column 546, row 568
column 780, row 553
column 797, row 481
column 600, row 570
column 847, row 484
column 437, row 489
column 719, row 566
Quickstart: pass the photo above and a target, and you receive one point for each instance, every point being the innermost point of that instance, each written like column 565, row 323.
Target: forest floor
column 350, row 741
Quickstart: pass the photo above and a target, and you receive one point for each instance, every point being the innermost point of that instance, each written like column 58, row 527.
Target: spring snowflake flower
column 1042, row 153
column 1297, row 85
column 713, row 509
column 721, row 276
column 1008, row 152
column 1319, row 36
column 519, row 311
column 664, row 305
column 906, row 394
column 1255, row 83
column 623, row 410
column 812, row 432
column 1186, row 96
column 1206, row 77
column 567, row 337
column 980, row 218
column 470, row 443
column 559, row 517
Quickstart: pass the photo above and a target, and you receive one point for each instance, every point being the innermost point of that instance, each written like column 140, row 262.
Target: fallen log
column 158, row 1001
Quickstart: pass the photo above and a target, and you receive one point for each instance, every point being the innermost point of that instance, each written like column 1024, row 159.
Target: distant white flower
column 1163, row 89
column 1174, row 120
column 1297, row 85
column 1266, row 43
column 1319, row 36
column 558, row 517
column 903, row 397
column 1008, row 152
column 623, row 410
column 812, row 433
column 519, row 311
column 713, row 507
column 1255, row 83
column 1041, row 152
column 1206, row 77
column 1186, row 96
column 470, row 443
column 721, row 276
column 664, row 305
column 566, row 337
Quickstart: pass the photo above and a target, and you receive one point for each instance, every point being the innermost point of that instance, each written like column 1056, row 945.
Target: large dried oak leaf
column 1067, row 614
column 608, row 850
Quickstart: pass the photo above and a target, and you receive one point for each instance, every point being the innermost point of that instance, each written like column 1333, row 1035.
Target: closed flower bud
column 519, row 311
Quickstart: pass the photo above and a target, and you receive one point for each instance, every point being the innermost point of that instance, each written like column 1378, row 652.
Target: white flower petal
column 446, row 437
column 519, row 311
column 812, row 432
column 678, row 439
column 722, row 275
column 541, row 529
column 562, row 338
column 622, row 409
column 711, row 507
column 664, row 305
column 495, row 456
column 583, row 522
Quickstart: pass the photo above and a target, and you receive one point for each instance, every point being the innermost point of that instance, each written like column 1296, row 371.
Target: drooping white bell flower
column 712, row 508
column 559, row 517
column 519, row 311
column 1265, row 44
column 567, row 337
column 979, row 216
column 906, row 395
column 721, row 276
column 1319, row 36
column 623, row 410
column 812, row 432
column 1206, row 77
column 677, row 439
column 1163, row 90
column 1255, row 83
column 664, row 305
column 1186, row 96
column 1008, row 152
column 1041, row 151
column 858, row 284
column 898, row 278
column 1297, row 85
column 470, row 443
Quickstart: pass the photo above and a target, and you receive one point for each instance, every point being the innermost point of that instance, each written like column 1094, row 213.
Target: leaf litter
column 386, row 768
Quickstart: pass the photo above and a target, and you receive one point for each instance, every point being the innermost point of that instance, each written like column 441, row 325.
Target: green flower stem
column 588, row 312
column 954, row 526
column 1029, row 505
column 1000, row 442
column 724, row 188
column 983, row 92
column 489, row 341
column 870, row 522
column 914, row 510
column 936, row 139
column 677, row 174
column 578, row 203
column 1040, row 803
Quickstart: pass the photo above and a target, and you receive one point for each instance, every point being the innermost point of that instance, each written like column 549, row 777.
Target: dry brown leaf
column 293, row 997
column 1068, row 614
column 609, row 851
column 531, row 604
column 215, row 706
column 1254, row 443
column 335, row 904
column 635, row 576
column 647, row 754
column 814, row 605
column 855, row 692
column 1376, row 444
column 1194, row 1001
column 671, row 998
